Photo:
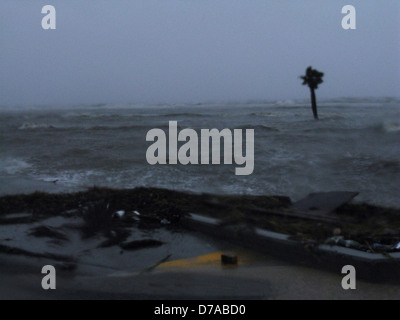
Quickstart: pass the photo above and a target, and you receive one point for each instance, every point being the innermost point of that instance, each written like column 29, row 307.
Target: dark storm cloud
column 176, row 50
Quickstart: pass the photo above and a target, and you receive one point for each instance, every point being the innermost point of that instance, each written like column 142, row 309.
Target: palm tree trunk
column 314, row 103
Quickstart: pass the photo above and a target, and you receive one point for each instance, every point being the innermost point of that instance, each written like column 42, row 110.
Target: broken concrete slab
column 371, row 266
column 48, row 232
column 323, row 202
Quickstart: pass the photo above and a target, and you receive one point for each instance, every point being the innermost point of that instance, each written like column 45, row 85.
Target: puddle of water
column 94, row 260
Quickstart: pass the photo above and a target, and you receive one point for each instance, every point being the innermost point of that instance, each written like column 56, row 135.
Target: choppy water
column 355, row 146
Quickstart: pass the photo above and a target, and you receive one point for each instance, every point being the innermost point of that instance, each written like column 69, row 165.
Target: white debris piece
column 136, row 212
column 120, row 213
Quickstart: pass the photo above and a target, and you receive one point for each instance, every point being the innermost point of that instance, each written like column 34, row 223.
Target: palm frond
column 312, row 78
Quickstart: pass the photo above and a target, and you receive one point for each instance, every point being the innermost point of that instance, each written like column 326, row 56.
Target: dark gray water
column 355, row 146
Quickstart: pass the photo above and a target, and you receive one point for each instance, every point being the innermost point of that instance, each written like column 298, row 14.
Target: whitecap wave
column 391, row 126
column 72, row 178
column 13, row 165
column 287, row 102
column 33, row 126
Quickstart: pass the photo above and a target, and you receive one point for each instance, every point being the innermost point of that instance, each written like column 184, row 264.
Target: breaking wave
column 13, row 165
column 391, row 126
column 288, row 102
column 33, row 126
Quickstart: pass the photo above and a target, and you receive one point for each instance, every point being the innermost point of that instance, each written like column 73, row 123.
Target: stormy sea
column 355, row 146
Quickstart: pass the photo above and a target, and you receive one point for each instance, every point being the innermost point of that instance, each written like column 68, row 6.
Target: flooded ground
column 187, row 266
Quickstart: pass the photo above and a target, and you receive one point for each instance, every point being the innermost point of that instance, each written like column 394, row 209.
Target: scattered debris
column 120, row 213
column 337, row 232
column 374, row 247
column 337, row 240
column 227, row 258
column 115, row 237
column 151, row 208
column 352, row 244
column 98, row 217
column 378, row 247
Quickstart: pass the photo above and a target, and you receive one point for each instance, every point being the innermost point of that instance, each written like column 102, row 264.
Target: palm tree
column 313, row 78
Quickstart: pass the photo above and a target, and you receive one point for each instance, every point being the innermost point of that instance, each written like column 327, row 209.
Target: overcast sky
column 195, row 50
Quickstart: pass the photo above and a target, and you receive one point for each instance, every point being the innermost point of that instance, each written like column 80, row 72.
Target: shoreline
column 23, row 185
column 98, row 251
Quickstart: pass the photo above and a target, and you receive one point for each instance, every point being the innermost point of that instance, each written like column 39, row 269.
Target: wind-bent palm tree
column 313, row 78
